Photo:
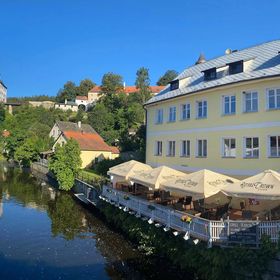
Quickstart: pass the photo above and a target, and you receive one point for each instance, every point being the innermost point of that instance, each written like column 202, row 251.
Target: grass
column 89, row 174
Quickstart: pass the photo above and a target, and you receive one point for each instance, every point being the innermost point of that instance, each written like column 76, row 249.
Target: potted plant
column 186, row 219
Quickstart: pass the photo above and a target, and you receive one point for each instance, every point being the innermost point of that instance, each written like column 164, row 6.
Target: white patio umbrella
column 122, row 172
column 155, row 177
column 200, row 184
column 263, row 186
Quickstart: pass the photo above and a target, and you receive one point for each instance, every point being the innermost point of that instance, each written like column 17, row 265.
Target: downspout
column 146, row 128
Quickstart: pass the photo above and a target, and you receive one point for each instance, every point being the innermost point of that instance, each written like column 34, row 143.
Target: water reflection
column 47, row 235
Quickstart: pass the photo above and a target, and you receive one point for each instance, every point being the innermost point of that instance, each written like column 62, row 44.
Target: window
column 235, row 67
column 229, row 147
column 273, row 99
column 185, row 111
column 174, row 85
column 159, row 116
column 210, row 74
column 172, row 114
column 251, row 147
column 201, row 109
column 229, row 105
column 185, row 148
column 250, row 102
column 274, row 146
column 158, row 148
column 202, row 148
column 171, row 148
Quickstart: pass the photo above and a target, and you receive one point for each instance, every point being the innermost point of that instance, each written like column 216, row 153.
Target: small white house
column 67, row 105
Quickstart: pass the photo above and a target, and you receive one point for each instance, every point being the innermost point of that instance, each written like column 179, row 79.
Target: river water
column 47, row 234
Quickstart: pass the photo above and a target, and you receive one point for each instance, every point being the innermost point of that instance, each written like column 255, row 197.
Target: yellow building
column 93, row 147
column 222, row 114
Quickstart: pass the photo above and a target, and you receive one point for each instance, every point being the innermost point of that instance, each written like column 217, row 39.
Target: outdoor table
column 163, row 202
column 150, row 196
column 211, row 206
column 136, row 193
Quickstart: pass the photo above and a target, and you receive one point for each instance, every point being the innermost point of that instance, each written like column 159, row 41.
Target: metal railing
column 224, row 232
column 90, row 192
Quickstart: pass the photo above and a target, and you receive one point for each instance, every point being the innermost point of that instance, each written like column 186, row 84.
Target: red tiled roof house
column 92, row 145
column 94, row 93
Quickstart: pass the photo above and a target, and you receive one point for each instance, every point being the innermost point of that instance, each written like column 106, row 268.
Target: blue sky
column 44, row 43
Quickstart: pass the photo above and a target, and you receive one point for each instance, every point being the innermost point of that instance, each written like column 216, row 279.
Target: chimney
column 79, row 124
column 65, row 101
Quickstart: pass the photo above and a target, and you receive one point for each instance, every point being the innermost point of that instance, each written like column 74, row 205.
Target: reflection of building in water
column 34, row 205
column 7, row 195
column 52, row 193
column 1, row 208
column 84, row 221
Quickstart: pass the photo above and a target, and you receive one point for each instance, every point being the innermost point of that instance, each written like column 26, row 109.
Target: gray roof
column 2, row 83
column 262, row 61
column 71, row 126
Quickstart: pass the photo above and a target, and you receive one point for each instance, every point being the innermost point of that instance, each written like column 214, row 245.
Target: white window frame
column 230, row 96
column 171, row 148
column 223, row 147
column 159, row 116
column 187, row 148
column 244, row 101
column 275, row 98
column 203, row 107
column 172, row 114
column 244, row 147
column 203, row 152
column 269, row 146
column 158, row 148
column 187, row 111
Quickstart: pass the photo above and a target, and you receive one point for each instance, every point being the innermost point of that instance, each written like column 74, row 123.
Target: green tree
column 103, row 121
column 167, row 77
column 113, row 96
column 85, row 86
column 68, row 92
column 2, row 113
column 135, row 115
column 66, row 163
column 27, row 152
column 143, row 83
column 111, row 83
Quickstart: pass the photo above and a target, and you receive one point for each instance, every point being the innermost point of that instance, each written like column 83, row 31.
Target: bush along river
column 47, row 234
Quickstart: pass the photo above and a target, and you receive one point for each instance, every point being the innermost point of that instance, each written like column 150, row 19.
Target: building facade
column 67, row 105
column 3, row 92
column 222, row 114
column 44, row 104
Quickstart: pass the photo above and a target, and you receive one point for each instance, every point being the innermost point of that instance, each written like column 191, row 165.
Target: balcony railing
column 223, row 232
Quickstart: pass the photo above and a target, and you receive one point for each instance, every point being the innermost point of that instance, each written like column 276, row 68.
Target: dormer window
column 174, row 85
column 210, row 74
column 235, row 67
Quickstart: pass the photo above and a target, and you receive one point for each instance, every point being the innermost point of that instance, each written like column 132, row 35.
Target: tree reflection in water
column 76, row 225
column 66, row 219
